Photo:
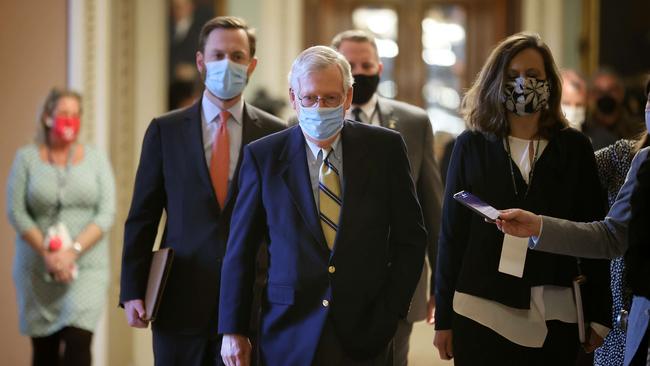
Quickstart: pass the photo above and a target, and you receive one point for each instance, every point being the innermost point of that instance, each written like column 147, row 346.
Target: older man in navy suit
column 337, row 205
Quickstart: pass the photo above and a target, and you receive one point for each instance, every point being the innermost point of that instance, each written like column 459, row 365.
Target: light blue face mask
column 225, row 79
column 321, row 123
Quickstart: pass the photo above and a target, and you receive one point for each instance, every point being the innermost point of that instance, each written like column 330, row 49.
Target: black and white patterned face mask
column 524, row 96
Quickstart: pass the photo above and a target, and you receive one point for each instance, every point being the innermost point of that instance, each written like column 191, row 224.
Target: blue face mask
column 321, row 123
column 225, row 79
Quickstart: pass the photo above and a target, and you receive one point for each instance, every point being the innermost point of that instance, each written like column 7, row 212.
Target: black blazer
column 565, row 184
column 369, row 278
column 173, row 176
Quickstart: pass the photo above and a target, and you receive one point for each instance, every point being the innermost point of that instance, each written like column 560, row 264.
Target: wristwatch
column 76, row 246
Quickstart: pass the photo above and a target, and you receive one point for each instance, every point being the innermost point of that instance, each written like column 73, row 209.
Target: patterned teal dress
column 46, row 306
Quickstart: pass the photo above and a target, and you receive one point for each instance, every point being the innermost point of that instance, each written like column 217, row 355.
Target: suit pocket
column 283, row 295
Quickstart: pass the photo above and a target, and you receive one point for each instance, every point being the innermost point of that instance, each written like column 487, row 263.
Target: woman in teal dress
column 66, row 189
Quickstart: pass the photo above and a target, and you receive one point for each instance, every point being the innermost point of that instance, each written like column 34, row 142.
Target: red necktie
column 220, row 159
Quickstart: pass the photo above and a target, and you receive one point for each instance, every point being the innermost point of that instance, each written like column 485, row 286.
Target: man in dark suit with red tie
column 335, row 201
column 188, row 168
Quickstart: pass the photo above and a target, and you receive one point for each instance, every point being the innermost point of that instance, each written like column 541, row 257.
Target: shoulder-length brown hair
column 482, row 106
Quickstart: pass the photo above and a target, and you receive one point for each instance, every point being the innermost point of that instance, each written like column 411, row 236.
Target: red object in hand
column 55, row 244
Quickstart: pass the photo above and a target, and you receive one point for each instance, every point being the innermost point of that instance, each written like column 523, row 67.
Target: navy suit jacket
column 364, row 285
column 173, row 176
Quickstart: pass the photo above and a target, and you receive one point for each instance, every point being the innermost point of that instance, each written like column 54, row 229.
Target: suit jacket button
column 326, row 303
column 331, row 269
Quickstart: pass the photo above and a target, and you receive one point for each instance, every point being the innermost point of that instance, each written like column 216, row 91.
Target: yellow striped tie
column 329, row 192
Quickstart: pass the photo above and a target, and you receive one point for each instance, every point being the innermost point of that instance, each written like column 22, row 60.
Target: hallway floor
column 422, row 352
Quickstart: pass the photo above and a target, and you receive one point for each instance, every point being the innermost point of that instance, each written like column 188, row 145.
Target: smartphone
column 477, row 205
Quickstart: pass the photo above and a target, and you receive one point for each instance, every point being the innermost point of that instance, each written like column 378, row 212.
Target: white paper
column 513, row 255
column 581, row 317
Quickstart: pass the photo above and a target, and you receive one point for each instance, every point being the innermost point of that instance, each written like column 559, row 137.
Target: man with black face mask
column 608, row 120
column 360, row 49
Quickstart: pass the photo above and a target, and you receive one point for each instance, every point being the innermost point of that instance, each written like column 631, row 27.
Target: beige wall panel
column 33, row 45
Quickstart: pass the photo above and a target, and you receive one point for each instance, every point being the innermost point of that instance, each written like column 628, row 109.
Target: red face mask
column 66, row 128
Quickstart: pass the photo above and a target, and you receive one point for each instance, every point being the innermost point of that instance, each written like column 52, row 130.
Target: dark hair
column 605, row 71
column 47, row 110
column 482, row 106
column 644, row 140
column 227, row 22
column 355, row 35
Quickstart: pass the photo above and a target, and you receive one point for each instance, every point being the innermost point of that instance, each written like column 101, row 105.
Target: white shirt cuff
column 532, row 242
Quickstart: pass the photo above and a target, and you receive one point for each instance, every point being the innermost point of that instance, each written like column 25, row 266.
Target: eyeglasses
column 309, row 101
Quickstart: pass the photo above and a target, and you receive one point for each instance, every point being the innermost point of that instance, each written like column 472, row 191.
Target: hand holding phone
column 477, row 205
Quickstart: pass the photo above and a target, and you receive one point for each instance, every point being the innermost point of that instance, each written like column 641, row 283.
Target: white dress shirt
column 369, row 112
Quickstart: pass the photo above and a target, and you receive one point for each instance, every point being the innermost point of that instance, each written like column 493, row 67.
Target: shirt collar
column 315, row 149
column 368, row 108
column 211, row 111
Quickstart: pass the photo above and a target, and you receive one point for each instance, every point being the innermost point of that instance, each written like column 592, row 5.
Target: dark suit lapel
column 355, row 171
column 193, row 135
column 252, row 130
column 387, row 117
column 296, row 176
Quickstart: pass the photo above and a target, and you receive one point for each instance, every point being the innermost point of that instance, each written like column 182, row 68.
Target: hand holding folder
column 158, row 272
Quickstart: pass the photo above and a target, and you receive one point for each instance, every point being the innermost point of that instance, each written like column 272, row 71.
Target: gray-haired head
column 317, row 58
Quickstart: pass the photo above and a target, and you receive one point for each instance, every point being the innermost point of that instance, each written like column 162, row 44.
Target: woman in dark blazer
column 502, row 303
